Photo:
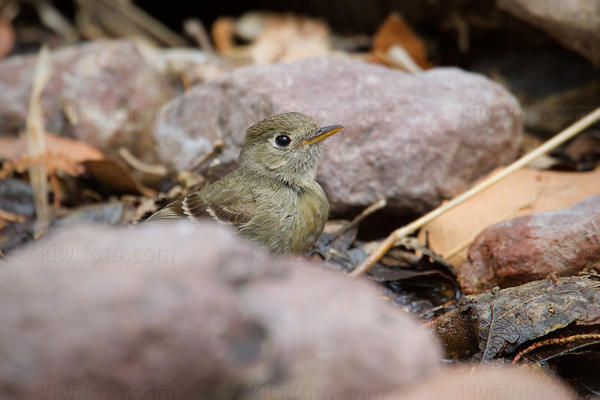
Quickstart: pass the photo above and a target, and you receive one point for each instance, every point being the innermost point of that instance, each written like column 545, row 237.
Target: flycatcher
column 272, row 197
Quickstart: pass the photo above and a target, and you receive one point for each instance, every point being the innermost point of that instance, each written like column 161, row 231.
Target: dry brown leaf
column 7, row 37
column 222, row 33
column 289, row 38
column 62, row 154
column 524, row 192
column 395, row 31
column 13, row 148
column 51, row 163
column 115, row 179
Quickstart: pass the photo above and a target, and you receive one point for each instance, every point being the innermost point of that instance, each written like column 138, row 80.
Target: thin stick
column 36, row 142
column 218, row 146
column 567, row 340
column 136, row 163
column 378, row 205
column 556, row 141
column 53, row 19
column 11, row 217
column 194, row 28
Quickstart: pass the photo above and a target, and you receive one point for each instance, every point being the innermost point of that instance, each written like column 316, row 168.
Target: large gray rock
column 106, row 93
column 574, row 23
column 412, row 139
column 188, row 311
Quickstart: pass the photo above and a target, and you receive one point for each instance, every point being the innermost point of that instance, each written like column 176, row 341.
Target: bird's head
column 285, row 147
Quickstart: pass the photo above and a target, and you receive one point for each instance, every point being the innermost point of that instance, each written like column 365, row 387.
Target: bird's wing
column 227, row 213
column 173, row 210
column 194, row 207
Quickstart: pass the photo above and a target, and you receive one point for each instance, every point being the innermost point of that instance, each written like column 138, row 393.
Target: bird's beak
column 322, row 134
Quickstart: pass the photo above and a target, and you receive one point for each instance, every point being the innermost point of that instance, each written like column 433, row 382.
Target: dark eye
column 283, row 140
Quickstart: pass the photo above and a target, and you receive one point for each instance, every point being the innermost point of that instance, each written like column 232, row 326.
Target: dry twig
column 566, row 340
column 218, row 146
column 194, row 28
column 11, row 217
column 551, row 144
column 378, row 205
column 136, row 163
column 53, row 19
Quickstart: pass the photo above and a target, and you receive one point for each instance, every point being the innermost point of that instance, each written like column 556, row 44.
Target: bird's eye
column 283, row 140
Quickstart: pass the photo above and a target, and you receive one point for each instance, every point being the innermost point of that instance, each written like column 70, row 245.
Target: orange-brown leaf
column 395, row 31
column 7, row 38
column 62, row 154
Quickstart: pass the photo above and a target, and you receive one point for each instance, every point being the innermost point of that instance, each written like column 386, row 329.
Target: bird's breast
column 312, row 210
column 288, row 221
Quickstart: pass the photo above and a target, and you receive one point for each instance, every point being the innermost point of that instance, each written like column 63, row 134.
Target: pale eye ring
column 283, row 140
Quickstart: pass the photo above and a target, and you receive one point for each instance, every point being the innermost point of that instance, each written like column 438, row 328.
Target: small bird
column 272, row 197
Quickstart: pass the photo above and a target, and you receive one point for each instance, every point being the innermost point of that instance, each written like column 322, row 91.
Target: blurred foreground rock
column 497, row 382
column 105, row 93
column 187, row 310
column 413, row 139
column 574, row 23
column 532, row 247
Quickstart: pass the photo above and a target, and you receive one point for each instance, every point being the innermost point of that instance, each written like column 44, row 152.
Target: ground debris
column 524, row 192
column 501, row 321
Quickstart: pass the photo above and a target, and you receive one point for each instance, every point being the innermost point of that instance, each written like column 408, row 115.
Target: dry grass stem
column 122, row 18
column 36, row 142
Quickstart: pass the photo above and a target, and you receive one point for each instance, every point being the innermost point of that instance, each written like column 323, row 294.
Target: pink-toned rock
column 498, row 382
column 531, row 247
column 105, row 93
column 574, row 23
column 412, row 139
column 187, row 310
